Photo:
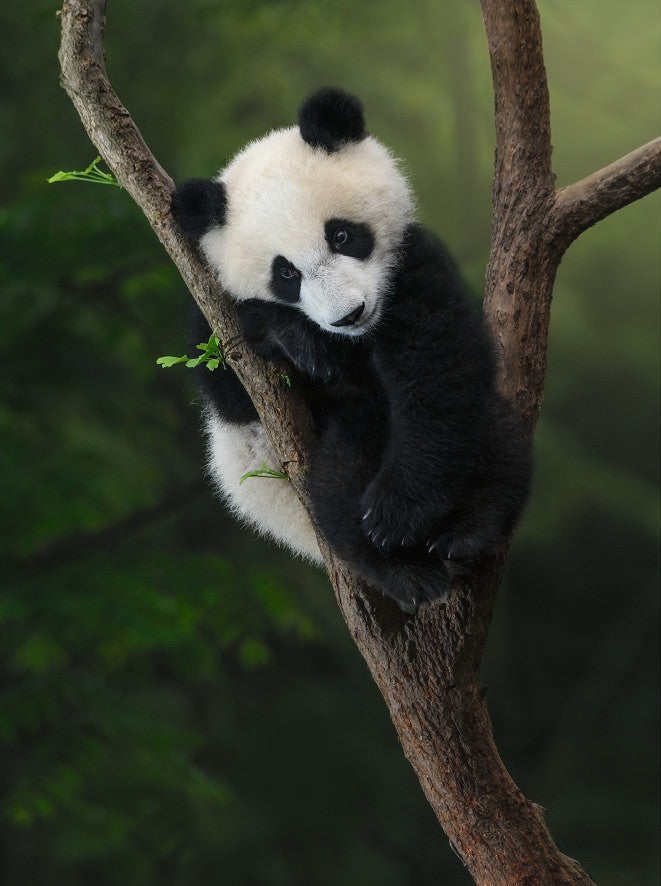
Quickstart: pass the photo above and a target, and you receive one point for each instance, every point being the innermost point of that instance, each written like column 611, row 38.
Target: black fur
column 285, row 280
column 221, row 387
column 198, row 205
column 357, row 240
column 425, row 454
column 330, row 118
column 277, row 330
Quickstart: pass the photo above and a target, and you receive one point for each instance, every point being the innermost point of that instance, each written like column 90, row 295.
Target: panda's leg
column 341, row 465
column 411, row 577
column 272, row 508
column 268, row 505
column 498, row 493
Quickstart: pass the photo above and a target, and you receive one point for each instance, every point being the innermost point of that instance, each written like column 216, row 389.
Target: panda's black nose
column 350, row 318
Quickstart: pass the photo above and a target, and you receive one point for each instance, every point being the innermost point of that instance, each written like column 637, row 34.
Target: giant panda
column 419, row 465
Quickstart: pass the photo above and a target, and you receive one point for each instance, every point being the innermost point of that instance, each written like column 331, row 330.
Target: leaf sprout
column 92, row 174
column 266, row 472
column 212, row 356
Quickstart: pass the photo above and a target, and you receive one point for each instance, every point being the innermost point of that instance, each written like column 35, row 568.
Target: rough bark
column 117, row 138
column 426, row 665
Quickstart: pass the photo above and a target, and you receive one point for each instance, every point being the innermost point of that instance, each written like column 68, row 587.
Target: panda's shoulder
column 427, row 282
column 423, row 253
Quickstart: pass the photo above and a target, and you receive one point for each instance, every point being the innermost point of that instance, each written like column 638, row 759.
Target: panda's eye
column 285, row 280
column 288, row 273
column 340, row 238
column 350, row 238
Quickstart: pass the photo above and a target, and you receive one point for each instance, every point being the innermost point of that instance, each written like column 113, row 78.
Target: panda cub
column 419, row 463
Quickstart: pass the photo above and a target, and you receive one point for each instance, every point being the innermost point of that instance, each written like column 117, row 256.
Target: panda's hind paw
column 414, row 585
column 467, row 542
column 384, row 529
column 389, row 521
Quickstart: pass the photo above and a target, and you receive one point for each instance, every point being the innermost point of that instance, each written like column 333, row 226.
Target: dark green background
column 180, row 703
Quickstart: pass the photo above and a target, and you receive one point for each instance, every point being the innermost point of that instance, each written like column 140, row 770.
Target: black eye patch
column 354, row 239
column 285, row 280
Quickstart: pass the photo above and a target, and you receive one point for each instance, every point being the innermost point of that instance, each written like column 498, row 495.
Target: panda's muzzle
column 350, row 318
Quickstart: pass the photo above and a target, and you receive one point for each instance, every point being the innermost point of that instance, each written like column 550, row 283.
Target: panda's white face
column 315, row 229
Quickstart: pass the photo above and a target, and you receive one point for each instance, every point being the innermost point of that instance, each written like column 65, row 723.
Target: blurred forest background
column 181, row 703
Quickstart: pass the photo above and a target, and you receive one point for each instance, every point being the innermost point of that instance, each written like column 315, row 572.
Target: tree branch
column 533, row 224
column 521, row 97
column 517, row 301
column 426, row 665
column 117, row 138
column 582, row 204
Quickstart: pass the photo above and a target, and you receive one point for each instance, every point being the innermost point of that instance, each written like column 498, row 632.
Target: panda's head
column 311, row 216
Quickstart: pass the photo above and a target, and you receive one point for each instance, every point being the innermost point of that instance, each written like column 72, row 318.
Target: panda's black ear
column 330, row 118
column 198, row 205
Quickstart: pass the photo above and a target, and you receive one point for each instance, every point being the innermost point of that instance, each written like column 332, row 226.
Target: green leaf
column 212, row 355
column 92, row 174
column 265, row 472
column 166, row 362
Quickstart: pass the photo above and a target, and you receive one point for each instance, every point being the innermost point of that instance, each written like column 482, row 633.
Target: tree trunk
column 426, row 665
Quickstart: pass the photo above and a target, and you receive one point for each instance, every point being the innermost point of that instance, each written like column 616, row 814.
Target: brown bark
column 426, row 665
column 117, row 138
column 581, row 205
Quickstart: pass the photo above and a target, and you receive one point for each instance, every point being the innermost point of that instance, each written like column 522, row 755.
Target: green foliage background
column 180, row 703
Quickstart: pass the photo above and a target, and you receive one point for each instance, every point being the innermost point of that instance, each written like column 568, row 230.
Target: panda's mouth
column 368, row 320
column 360, row 328
column 355, row 330
column 352, row 318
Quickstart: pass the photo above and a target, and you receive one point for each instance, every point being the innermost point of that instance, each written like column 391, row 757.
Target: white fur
column 268, row 505
column 281, row 191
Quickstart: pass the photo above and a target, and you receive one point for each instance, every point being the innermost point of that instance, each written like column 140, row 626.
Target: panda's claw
column 386, row 513
column 379, row 539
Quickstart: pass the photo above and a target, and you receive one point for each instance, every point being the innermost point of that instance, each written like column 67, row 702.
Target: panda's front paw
column 314, row 360
column 392, row 517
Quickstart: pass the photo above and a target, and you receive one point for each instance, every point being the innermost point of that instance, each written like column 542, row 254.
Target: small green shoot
column 212, row 356
column 266, row 472
column 92, row 174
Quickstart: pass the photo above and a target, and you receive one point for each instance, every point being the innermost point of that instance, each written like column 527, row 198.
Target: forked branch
column 533, row 224
column 426, row 665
